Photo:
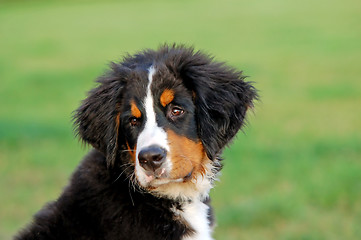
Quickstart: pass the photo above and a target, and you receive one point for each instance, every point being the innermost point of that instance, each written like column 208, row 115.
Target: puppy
column 158, row 122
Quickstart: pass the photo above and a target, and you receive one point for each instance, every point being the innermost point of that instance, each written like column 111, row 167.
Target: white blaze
column 152, row 134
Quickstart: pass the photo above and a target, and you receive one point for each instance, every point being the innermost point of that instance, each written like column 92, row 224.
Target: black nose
column 152, row 157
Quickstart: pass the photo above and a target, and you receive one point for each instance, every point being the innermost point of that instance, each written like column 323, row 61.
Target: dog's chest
column 195, row 216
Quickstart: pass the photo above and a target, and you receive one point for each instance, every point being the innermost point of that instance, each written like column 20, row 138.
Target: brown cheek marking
column 166, row 97
column 132, row 152
column 117, row 122
column 134, row 109
column 186, row 156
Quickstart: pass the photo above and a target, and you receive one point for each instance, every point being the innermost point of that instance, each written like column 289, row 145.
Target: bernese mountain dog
column 158, row 122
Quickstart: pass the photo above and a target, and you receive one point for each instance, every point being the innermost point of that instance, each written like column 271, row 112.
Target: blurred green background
column 296, row 171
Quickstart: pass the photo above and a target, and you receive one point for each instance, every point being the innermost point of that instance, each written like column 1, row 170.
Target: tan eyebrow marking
column 166, row 97
column 135, row 110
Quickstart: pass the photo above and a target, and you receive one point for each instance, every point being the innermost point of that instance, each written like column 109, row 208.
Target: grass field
column 296, row 171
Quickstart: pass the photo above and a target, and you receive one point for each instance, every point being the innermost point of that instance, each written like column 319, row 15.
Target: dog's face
column 168, row 114
column 160, row 127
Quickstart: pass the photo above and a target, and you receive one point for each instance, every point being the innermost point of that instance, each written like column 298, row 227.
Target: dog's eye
column 177, row 111
column 134, row 121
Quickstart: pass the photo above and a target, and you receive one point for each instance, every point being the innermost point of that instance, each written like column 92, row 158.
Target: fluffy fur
column 158, row 122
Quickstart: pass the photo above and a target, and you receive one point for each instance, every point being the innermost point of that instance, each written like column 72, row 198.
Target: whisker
column 134, row 182
column 129, row 165
column 130, row 194
column 125, row 164
column 128, row 150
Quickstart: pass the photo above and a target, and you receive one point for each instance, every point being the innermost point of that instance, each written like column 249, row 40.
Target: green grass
column 294, row 174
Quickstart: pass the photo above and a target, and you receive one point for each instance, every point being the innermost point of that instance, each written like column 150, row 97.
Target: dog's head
column 167, row 114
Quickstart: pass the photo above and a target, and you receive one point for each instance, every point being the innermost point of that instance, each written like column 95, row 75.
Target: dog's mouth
column 156, row 175
column 160, row 177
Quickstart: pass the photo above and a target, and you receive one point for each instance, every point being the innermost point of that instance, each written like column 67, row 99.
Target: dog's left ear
column 222, row 98
column 96, row 121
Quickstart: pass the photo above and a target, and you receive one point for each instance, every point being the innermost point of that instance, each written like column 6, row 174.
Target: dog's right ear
column 96, row 120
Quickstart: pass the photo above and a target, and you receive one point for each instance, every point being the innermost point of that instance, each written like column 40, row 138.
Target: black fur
column 100, row 202
column 95, row 206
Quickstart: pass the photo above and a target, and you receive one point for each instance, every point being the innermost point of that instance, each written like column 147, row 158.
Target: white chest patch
column 195, row 214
